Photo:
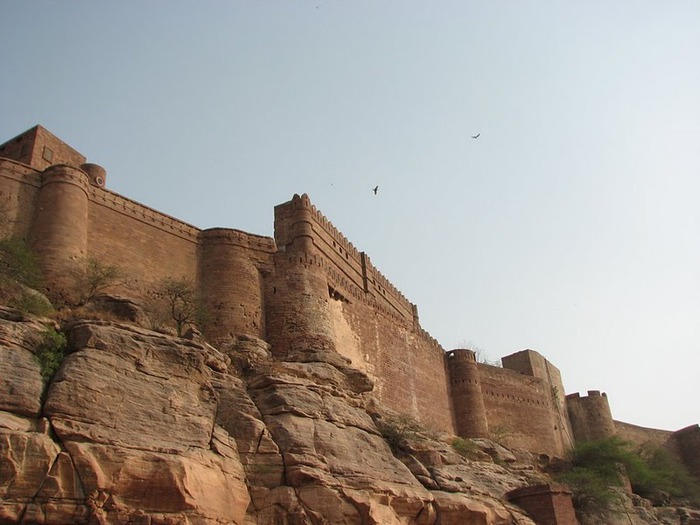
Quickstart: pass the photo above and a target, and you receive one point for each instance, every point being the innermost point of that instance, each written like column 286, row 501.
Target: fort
column 308, row 288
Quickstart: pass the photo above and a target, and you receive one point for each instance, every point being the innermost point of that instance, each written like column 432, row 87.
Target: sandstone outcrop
column 142, row 427
column 127, row 433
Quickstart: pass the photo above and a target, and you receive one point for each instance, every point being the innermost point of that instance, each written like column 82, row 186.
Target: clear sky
column 570, row 226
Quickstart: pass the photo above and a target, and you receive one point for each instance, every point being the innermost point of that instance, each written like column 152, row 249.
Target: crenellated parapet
column 307, row 292
column 300, row 226
column 380, row 286
column 134, row 210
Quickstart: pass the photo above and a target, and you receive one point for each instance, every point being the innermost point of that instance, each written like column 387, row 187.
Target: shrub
column 96, row 277
column 51, row 352
column 665, row 475
column 595, row 468
column 466, row 448
column 19, row 275
column 18, row 262
column 396, row 430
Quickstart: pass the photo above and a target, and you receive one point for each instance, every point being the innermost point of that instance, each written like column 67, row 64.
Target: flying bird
column 375, row 189
column 476, row 136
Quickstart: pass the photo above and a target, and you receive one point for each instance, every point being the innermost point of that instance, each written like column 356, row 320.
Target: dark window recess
column 335, row 294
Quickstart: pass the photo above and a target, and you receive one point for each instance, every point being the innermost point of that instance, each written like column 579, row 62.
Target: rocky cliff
column 146, row 428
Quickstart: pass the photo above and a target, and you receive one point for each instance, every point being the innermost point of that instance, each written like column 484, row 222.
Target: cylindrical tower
column 298, row 313
column 59, row 229
column 467, row 398
column 230, row 286
column 590, row 416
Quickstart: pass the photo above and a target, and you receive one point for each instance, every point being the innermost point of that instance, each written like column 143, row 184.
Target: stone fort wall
column 306, row 291
column 361, row 315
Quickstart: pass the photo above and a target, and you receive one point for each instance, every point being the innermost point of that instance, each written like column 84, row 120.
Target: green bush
column 18, row 262
column 466, row 448
column 19, row 275
column 665, row 475
column 595, row 468
column 30, row 302
column 51, row 352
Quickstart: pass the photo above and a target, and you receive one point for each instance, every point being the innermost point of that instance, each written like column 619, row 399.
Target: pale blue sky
column 571, row 226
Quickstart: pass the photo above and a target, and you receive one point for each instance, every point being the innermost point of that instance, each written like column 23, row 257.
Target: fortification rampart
column 19, row 185
column 69, row 217
column 361, row 315
column 308, row 291
column 521, row 411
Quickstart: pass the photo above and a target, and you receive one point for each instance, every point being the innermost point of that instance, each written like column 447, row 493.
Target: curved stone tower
column 467, row 397
column 59, row 230
column 590, row 416
column 230, row 284
column 298, row 313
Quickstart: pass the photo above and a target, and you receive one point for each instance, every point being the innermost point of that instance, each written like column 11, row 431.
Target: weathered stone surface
column 152, row 393
column 26, row 459
column 21, row 385
column 134, row 414
column 459, row 509
column 340, row 467
column 128, row 479
column 150, row 429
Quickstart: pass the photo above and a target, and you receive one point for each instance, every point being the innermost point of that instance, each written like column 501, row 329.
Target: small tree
column 182, row 301
column 96, row 277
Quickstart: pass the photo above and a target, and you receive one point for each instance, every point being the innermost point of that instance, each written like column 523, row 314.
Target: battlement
column 462, row 354
column 148, row 216
column 238, row 238
column 307, row 288
column 348, row 267
column 591, row 393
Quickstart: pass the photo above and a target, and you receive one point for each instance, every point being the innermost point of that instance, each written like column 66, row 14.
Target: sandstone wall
column 407, row 366
column 642, row 435
column 361, row 314
column 520, row 410
column 146, row 244
column 39, row 148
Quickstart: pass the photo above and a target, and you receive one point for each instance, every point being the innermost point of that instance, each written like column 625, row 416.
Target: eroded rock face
column 140, row 427
column 128, row 434
column 21, row 387
column 334, row 465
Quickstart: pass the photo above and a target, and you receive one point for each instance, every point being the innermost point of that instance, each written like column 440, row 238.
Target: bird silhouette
column 476, row 136
column 375, row 189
